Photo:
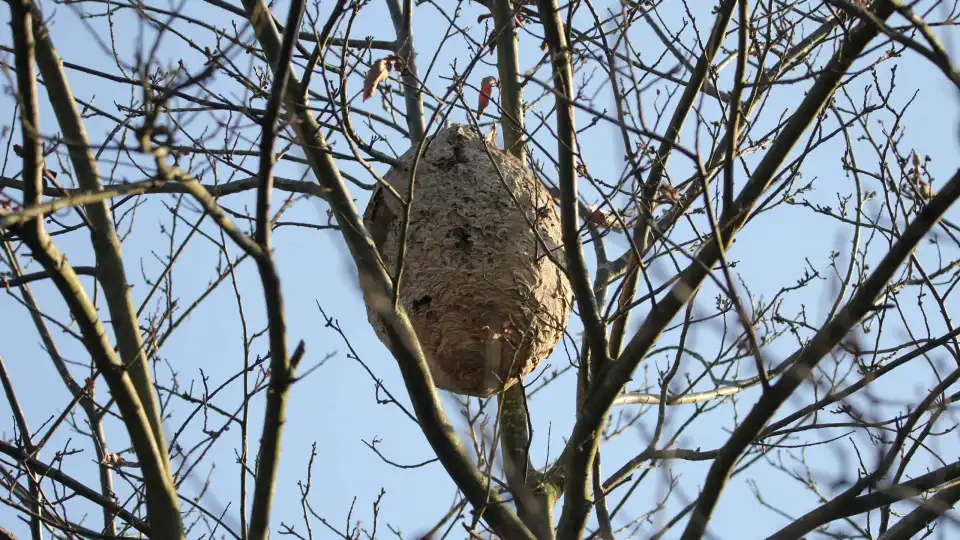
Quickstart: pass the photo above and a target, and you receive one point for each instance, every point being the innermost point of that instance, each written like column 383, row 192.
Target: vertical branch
column 577, row 485
column 269, row 126
column 567, row 152
column 403, row 25
column 534, row 496
column 508, row 65
column 322, row 40
column 281, row 368
column 514, row 438
column 534, row 499
column 733, row 131
column 106, row 243
column 604, row 525
column 25, row 55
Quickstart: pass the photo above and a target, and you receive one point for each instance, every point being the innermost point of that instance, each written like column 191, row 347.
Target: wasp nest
column 482, row 288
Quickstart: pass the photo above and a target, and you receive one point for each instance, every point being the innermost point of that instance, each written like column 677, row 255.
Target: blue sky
column 335, row 407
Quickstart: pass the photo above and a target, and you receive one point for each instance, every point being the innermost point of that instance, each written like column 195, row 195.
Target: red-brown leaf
column 486, row 86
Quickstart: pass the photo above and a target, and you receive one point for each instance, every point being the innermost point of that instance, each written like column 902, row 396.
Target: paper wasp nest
column 477, row 280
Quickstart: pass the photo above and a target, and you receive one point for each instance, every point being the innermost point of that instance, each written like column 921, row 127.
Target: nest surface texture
column 484, row 298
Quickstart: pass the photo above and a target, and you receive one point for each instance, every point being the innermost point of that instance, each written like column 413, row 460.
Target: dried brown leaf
column 379, row 72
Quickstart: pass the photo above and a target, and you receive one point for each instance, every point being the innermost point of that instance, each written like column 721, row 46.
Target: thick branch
column 508, row 65
column 281, row 366
column 533, row 496
column 576, row 504
column 106, row 243
column 161, row 186
column 402, row 17
column 928, row 511
column 871, row 501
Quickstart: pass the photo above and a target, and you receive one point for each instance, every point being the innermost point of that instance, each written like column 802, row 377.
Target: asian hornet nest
column 481, row 282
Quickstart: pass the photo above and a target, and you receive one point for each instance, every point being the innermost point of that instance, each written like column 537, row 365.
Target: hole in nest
column 462, row 238
column 422, row 302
